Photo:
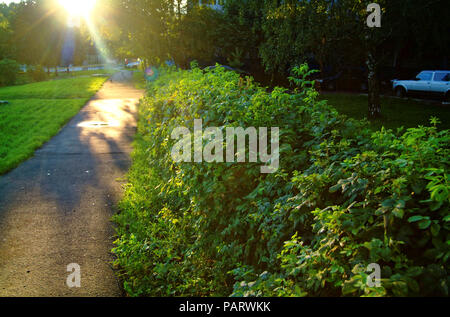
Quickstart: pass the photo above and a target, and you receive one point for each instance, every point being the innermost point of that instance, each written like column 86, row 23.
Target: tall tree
column 40, row 31
column 333, row 31
column 36, row 33
column 7, row 47
column 5, row 36
column 144, row 27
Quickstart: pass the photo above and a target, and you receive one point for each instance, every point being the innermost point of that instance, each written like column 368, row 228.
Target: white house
column 213, row 4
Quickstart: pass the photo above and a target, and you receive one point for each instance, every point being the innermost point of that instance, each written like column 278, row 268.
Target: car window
column 425, row 76
column 442, row 77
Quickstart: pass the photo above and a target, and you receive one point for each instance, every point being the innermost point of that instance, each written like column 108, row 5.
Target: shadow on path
column 55, row 208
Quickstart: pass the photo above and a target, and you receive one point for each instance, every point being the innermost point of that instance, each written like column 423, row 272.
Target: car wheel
column 400, row 92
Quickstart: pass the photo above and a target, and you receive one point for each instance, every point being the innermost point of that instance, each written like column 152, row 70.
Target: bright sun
column 78, row 8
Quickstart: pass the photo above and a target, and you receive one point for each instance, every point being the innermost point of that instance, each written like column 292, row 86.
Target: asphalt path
column 55, row 208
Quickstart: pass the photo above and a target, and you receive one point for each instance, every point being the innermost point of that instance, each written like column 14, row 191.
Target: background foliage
column 8, row 71
column 35, row 33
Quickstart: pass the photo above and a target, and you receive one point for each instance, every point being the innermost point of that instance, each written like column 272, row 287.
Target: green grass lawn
column 37, row 112
column 396, row 112
column 24, row 78
column 77, row 87
column 63, row 75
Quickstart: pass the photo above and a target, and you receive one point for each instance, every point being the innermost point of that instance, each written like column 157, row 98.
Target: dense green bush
column 344, row 197
column 37, row 73
column 8, row 72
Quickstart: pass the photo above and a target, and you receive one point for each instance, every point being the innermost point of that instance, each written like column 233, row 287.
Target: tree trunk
column 179, row 9
column 374, row 87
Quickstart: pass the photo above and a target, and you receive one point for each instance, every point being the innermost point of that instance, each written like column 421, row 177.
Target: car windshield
column 424, row 76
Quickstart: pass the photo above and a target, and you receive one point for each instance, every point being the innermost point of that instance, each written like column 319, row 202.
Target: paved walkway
column 55, row 208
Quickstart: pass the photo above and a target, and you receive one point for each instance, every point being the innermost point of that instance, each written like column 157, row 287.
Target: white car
column 429, row 82
column 133, row 64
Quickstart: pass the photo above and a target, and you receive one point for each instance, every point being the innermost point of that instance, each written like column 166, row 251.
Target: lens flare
column 78, row 8
column 79, row 11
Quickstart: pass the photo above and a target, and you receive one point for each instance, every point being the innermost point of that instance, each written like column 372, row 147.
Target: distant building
column 213, row 4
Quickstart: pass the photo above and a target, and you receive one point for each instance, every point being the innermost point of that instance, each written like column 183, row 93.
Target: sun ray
column 78, row 8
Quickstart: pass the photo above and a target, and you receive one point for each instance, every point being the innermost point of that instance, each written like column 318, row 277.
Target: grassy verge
column 78, row 87
column 36, row 112
column 24, row 78
column 396, row 112
column 63, row 75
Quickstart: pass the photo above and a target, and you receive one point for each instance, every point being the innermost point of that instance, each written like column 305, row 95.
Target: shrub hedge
column 344, row 197
column 37, row 73
column 8, row 72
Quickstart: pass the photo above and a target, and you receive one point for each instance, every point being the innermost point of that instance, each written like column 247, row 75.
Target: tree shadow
column 56, row 206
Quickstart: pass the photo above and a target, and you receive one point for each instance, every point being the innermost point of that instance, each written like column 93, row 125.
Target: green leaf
column 398, row 213
column 435, row 228
column 400, row 204
column 335, row 188
column 423, row 224
column 415, row 218
column 388, row 203
column 414, row 271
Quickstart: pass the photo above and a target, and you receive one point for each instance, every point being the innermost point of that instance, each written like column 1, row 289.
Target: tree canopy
column 255, row 35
